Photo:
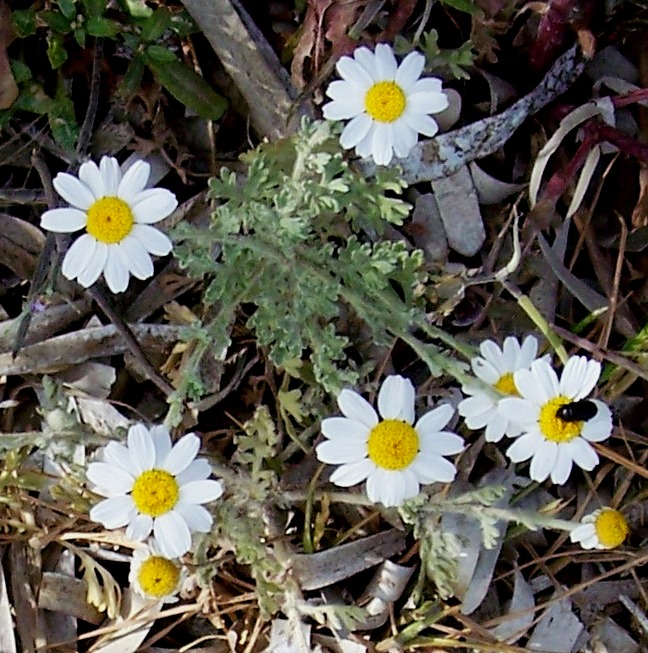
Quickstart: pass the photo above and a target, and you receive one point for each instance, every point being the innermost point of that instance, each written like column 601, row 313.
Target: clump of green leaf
column 448, row 63
column 292, row 241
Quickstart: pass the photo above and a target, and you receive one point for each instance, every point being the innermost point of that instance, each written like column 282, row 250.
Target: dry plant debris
column 323, row 326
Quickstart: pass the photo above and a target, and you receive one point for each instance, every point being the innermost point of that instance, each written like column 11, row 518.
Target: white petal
column 427, row 85
column 111, row 174
column 582, row 532
column 528, row 352
column 339, row 452
column 420, row 122
column 117, row 454
column 434, row 420
column 409, row 71
column 381, row 143
column 518, row 410
column 355, row 74
column 579, row 377
column 136, row 258
column 582, row 453
column 92, row 271
column 353, row 473
column 343, row 109
column 479, row 420
column 153, row 240
column 340, row 90
column 386, row 66
column 114, row 512
column 546, row 378
column 396, row 399
column 140, row 446
column 201, row 491
column 134, row 181
column 153, row 205
column 198, row 519
column 89, row 174
column 78, row 257
column 73, row 191
column 110, row 477
column 496, row 428
column 139, row 528
column 198, row 470
column 475, row 405
column 116, row 271
column 599, row 427
column 510, row 351
column 161, row 443
column 182, row 454
column 544, row 461
column 357, row 408
column 366, row 58
column 339, row 428
column 172, row 535
column 485, row 370
column 433, row 469
column 562, row 468
column 356, row 131
column 363, row 148
column 386, row 487
column 404, row 140
column 492, row 353
column 427, row 103
column 64, row 220
column 524, row 447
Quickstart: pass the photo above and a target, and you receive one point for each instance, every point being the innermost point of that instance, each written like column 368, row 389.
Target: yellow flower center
column 385, row 101
column 554, row 428
column 155, row 492
column 110, row 220
column 158, row 576
column 506, row 385
column 393, row 444
column 611, row 528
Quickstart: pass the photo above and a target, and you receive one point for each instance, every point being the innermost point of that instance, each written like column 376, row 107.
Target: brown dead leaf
column 8, row 87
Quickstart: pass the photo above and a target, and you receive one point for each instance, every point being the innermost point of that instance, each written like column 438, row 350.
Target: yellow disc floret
column 611, row 528
column 158, row 576
column 155, row 492
column 393, row 444
column 110, row 220
column 385, row 101
column 506, row 385
column 553, row 427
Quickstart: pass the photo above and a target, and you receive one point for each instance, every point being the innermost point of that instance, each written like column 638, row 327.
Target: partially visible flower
column 605, row 528
column 155, row 576
column 116, row 210
column 393, row 454
column 552, row 440
column 387, row 103
column 495, row 368
column 152, row 486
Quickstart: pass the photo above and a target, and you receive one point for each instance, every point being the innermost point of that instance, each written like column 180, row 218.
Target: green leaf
column 159, row 54
column 62, row 121
column 136, row 8
column 98, row 26
column 189, row 88
column 80, row 37
column 133, row 77
column 56, row 21
column 21, row 71
column 24, row 22
column 56, row 53
column 156, row 25
column 68, row 8
column 94, row 8
column 467, row 6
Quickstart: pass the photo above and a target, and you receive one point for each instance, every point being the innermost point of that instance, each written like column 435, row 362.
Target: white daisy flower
column 557, row 421
column 117, row 211
column 393, row 454
column 495, row 368
column 155, row 576
column 152, row 486
column 388, row 104
column 604, row 528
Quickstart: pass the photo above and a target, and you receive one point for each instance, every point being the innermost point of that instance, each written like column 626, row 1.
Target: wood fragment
column 62, row 593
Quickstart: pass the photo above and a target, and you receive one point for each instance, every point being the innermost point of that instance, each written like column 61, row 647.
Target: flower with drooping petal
column 495, row 369
column 387, row 104
column 116, row 210
column 605, row 528
column 392, row 453
column 552, row 441
column 155, row 576
column 153, row 486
